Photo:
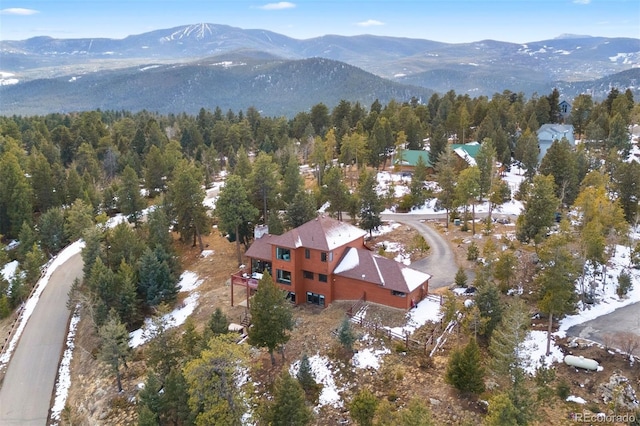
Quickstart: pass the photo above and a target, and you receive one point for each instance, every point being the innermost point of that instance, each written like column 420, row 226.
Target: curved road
column 25, row 395
column 441, row 262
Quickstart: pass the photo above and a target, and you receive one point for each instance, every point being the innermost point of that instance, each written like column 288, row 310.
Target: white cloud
column 278, row 6
column 582, row 1
column 18, row 11
column 370, row 23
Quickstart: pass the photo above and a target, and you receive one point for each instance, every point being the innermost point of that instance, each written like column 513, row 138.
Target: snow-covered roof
column 364, row 265
column 322, row 233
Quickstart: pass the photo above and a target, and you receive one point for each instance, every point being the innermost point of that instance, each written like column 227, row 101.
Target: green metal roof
column 471, row 149
column 410, row 157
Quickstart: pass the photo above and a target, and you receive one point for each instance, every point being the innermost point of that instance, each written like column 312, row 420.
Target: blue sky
column 453, row 21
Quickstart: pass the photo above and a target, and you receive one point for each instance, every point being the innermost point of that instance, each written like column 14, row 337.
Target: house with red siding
column 325, row 260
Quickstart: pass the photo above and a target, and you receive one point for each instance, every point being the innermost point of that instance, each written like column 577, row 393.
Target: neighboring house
column 407, row 159
column 547, row 133
column 565, row 109
column 466, row 153
column 325, row 260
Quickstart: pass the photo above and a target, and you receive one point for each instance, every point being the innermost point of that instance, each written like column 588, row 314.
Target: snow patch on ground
column 322, row 373
column 533, row 351
column 9, row 270
column 189, row 281
column 577, row 399
column 369, row 358
column 63, row 383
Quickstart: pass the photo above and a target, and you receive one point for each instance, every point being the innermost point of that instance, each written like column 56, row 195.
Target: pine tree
column 540, row 207
column 292, row 181
column 155, row 280
column 346, row 335
column 15, row 196
column 51, row 230
column 262, row 183
column 288, row 406
column 185, row 196
column 130, row 202
column 79, row 218
column 465, row 371
column 305, row 375
column 556, row 280
column 446, row 178
column 301, row 210
column 501, row 411
column 233, row 210
column 218, row 323
column 114, row 349
column 467, row 192
column 416, row 414
column 271, row 317
column 363, row 407
column 461, row 278
column 488, row 301
column 214, row 395
column 370, row 203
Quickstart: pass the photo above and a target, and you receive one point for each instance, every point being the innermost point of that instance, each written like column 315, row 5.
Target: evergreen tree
column 185, row 196
column 370, row 203
column 15, row 196
column 288, row 406
column 51, row 230
column 461, row 278
column 446, row 178
column 271, row 317
column 155, row 171
column 262, row 183
column 301, row 210
column 416, row 414
column 417, row 183
column 486, row 161
column 91, row 250
column 212, row 379
column 175, row 401
column 467, row 192
column 561, row 162
column 527, row 151
column 275, row 223
column 234, row 210
column 79, row 218
column 127, row 303
column 464, row 370
column 305, row 375
column 292, row 181
column 218, row 323
column 130, row 202
column 540, row 207
column 114, row 348
column 346, row 336
column 336, row 192
column 33, row 263
column 156, row 283
column 490, row 306
column 363, row 407
column 556, row 280
column 501, row 411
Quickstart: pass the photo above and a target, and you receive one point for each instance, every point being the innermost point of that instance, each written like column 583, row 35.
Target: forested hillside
column 64, row 176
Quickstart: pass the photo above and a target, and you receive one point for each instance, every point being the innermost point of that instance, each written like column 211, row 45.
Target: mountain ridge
column 407, row 65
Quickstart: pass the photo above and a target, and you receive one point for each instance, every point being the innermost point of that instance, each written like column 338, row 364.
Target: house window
column 283, row 277
column 322, row 278
column 398, row 293
column 291, row 296
column 307, row 254
column 283, row 253
column 308, row 275
column 323, row 256
column 315, row 299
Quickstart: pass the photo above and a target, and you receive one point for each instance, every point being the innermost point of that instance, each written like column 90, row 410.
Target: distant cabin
column 407, row 159
column 547, row 133
column 565, row 109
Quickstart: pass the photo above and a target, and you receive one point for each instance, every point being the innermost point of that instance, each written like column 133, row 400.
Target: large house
column 547, row 133
column 325, row 260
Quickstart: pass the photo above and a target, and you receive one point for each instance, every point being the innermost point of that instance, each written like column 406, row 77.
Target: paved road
column 441, row 262
column 625, row 319
column 25, row 395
